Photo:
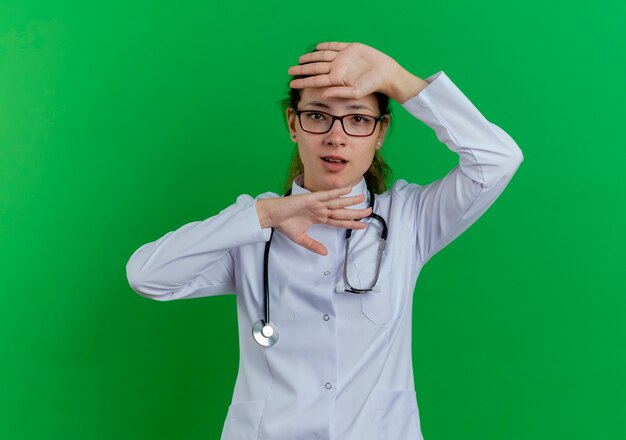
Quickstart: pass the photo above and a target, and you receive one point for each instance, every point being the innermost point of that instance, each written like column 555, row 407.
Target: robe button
column 326, row 317
column 328, row 386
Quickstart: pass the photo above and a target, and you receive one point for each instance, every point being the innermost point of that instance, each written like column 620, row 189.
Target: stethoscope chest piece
column 265, row 335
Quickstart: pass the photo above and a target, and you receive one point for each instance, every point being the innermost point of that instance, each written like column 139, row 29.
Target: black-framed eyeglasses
column 317, row 122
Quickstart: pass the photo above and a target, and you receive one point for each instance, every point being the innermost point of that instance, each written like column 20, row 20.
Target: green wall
column 119, row 123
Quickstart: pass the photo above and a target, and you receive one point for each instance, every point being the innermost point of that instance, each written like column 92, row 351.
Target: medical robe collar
column 360, row 188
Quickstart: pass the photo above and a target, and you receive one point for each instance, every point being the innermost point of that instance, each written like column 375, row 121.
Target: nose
column 336, row 135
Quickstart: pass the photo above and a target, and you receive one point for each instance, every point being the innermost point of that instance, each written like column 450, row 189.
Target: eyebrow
column 351, row 107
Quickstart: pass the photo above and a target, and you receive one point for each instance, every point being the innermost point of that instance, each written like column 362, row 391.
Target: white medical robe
column 342, row 366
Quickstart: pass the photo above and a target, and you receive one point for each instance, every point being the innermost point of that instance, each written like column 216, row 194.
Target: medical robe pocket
column 243, row 420
column 378, row 307
column 397, row 415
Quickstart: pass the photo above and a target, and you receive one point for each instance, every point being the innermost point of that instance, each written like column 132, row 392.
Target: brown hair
column 377, row 174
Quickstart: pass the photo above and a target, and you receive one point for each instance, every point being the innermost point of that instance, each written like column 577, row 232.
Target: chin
column 326, row 181
column 333, row 182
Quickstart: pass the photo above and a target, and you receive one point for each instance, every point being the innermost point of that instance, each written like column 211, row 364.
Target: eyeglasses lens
column 356, row 125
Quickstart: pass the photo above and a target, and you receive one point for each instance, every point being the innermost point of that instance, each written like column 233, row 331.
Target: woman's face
column 316, row 150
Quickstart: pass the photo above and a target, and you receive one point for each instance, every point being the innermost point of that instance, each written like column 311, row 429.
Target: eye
column 315, row 116
column 360, row 119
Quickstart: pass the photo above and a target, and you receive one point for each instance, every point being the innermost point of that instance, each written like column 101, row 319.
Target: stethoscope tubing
column 266, row 287
column 264, row 326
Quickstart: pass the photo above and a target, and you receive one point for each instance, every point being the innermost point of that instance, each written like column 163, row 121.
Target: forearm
column 486, row 151
column 181, row 255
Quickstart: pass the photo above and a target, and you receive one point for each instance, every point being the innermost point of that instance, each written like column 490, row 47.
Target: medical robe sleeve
column 488, row 157
column 195, row 260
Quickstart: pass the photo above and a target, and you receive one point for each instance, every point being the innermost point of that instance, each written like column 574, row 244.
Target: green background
column 121, row 122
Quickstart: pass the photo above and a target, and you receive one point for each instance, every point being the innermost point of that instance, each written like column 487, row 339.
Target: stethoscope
column 264, row 331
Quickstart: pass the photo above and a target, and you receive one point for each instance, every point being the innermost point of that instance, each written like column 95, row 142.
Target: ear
column 290, row 114
column 384, row 125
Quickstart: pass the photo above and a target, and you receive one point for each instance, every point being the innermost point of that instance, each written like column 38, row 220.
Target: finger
column 309, row 69
column 330, row 194
column 312, row 245
column 342, row 202
column 347, row 224
column 332, row 45
column 311, row 81
column 318, row 55
column 350, row 214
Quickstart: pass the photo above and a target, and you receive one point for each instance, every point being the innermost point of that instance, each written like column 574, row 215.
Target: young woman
column 325, row 319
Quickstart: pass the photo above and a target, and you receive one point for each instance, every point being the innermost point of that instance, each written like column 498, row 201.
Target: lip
column 331, row 156
column 333, row 167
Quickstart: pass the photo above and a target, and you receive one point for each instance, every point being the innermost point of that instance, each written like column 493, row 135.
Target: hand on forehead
column 344, row 70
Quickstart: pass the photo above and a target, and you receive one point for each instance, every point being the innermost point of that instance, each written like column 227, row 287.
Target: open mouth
column 334, row 159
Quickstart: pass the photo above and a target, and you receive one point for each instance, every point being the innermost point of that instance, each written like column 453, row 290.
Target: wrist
column 404, row 85
column 263, row 212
